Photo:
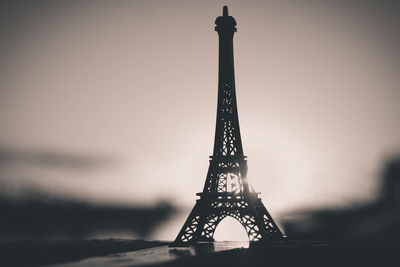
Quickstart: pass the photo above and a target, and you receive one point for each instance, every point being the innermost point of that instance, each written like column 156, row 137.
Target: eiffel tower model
column 227, row 191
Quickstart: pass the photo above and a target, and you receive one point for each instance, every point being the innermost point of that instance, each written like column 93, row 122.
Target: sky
column 115, row 101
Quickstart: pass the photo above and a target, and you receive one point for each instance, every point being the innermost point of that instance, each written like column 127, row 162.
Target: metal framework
column 227, row 191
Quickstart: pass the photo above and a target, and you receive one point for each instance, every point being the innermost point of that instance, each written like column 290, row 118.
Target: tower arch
column 231, row 229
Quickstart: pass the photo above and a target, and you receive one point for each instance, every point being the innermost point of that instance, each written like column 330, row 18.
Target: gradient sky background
column 115, row 101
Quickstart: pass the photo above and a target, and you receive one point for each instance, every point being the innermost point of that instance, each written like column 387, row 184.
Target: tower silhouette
column 227, row 191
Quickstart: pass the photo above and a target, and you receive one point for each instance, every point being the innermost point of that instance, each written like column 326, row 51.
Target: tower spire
column 227, row 133
column 225, row 11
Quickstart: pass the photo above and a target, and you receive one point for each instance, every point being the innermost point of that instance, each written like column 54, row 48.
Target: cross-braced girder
column 227, row 174
column 227, row 134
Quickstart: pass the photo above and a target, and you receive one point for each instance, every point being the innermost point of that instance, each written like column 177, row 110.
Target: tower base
column 212, row 208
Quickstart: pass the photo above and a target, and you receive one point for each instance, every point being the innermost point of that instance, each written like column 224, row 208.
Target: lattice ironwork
column 227, row 191
column 210, row 210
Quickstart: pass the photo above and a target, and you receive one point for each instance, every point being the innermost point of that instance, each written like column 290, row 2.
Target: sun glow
column 230, row 229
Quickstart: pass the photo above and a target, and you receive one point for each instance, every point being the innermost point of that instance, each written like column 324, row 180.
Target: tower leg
column 192, row 228
column 270, row 228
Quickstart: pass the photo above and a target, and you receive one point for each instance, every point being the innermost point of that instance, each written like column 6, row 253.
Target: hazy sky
column 135, row 84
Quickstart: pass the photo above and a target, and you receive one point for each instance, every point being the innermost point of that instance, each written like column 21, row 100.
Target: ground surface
column 38, row 253
column 153, row 253
column 300, row 253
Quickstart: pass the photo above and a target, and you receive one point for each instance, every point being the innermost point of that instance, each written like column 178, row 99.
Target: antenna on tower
column 225, row 11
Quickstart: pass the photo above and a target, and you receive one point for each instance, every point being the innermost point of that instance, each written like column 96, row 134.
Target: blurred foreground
column 124, row 253
column 37, row 253
column 300, row 253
